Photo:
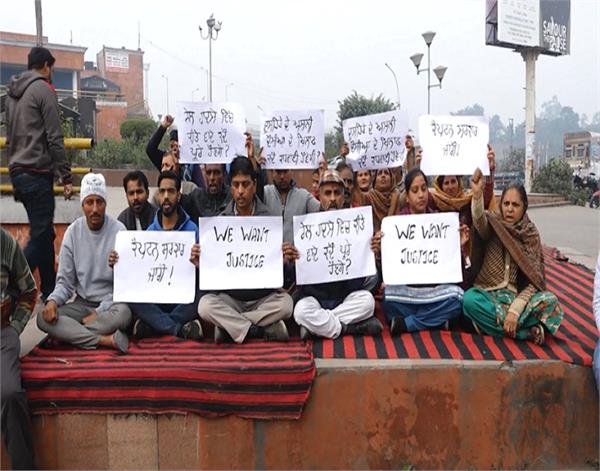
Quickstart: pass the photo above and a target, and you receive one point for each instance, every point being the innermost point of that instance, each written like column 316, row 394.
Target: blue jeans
column 166, row 319
column 423, row 316
column 596, row 365
column 37, row 195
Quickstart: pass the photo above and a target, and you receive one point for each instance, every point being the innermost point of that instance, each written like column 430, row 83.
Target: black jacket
column 127, row 217
column 200, row 203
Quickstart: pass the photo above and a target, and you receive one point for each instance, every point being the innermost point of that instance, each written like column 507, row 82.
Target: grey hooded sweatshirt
column 34, row 133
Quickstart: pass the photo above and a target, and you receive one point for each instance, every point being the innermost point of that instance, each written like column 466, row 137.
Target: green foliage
column 355, row 105
column 117, row 154
column 333, row 142
column 580, row 196
column 554, row 177
column 138, row 129
column 475, row 110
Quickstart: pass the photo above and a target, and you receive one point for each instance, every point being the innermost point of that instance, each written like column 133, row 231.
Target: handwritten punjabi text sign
column 154, row 267
column 454, row 145
column 241, row 252
column 334, row 245
column 292, row 139
column 209, row 132
column 377, row 140
column 421, row 249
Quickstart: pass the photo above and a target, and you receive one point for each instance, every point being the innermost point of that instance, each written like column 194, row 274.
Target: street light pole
column 395, row 80
column 439, row 71
column 167, row 81
column 212, row 34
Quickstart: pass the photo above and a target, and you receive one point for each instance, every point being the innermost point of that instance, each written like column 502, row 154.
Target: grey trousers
column 237, row 316
column 16, row 426
column 68, row 328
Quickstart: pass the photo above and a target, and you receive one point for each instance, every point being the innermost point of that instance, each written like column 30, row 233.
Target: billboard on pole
column 541, row 24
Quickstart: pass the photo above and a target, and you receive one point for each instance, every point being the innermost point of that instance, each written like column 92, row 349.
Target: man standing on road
column 36, row 152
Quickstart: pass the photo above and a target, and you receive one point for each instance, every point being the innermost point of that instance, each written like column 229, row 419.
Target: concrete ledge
column 362, row 415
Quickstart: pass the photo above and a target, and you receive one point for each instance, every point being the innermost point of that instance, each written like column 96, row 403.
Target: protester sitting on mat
column 363, row 180
column 510, row 297
column 166, row 319
column 283, row 197
column 383, row 197
column 191, row 173
column 239, row 314
column 92, row 319
column 140, row 212
column 448, row 194
column 347, row 174
column 340, row 307
column 414, row 308
column 17, row 298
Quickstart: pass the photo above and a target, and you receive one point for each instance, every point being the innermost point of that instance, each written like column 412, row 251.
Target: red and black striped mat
column 257, row 380
column 573, row 343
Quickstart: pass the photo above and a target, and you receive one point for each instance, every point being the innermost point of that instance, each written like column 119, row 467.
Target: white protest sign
column 334, row 245
column 421, row 249
column 210, row 132
column 292, row 139
column 454, row 145
column 241, row 252
column 376, row 141
column 154, row 267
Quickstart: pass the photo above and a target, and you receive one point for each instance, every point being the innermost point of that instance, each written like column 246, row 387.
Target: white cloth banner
column 210, row 132
column 454, row 145
column 154, row 267
column 421, row 249
column 241, row 252
column 377, row 140
column 334, row 245
column 292, row 139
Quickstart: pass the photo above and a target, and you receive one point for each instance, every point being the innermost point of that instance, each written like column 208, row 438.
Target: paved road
column 574, row 230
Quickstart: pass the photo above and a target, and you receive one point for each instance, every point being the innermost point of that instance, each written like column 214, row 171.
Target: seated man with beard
column 340, row 307
column 140, row 213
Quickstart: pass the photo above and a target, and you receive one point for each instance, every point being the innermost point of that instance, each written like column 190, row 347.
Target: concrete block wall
column 362, row 415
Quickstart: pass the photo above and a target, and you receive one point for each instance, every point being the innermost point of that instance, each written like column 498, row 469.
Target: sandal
column 537, row 335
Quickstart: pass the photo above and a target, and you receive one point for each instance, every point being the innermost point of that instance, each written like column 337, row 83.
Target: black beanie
column 38, row 56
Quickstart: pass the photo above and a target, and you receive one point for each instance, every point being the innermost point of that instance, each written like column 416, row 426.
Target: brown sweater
column 499, row 270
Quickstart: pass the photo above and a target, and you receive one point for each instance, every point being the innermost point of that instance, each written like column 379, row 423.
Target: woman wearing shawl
column 449, row 195
column 414, row 308
column 383, row 197
column 510, row 297
column 362, row 180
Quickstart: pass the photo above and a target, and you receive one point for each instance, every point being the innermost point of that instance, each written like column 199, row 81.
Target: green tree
column 514, row 162
column 355, row 105
column 137, row 129
column 473, row 110
column 554, row 177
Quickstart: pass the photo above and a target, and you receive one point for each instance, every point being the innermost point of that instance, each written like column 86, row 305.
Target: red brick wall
column 108, row 121
column 130, row 80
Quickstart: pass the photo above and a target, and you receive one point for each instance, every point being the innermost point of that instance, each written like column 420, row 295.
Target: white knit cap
column 93, row 184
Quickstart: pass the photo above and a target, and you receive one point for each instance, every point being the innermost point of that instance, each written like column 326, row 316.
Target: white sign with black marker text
column 334, row 245
column 377, row 140
column 292, row 139
column 454, row 145
column 241, row 252
column 210, row 132
column 154, row 267
column 419, row 249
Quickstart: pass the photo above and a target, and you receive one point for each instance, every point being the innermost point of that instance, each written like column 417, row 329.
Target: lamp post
column 213, row 33
column 230, row 84
column 166, row 77
column 438, row 71
column 395, row 80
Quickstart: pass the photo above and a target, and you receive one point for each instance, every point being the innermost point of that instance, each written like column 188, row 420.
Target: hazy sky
column 310, row 54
